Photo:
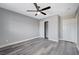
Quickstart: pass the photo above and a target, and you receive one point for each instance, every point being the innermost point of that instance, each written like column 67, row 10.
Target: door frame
column 45, row 25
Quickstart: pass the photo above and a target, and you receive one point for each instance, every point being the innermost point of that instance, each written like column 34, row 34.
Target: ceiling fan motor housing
column 38, row 6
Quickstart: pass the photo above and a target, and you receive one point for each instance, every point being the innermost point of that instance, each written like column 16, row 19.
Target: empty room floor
column 40, row 46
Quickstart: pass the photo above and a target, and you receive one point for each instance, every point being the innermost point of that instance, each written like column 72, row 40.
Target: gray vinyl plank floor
column 40, row 46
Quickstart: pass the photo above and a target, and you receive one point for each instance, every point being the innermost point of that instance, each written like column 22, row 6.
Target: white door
column 69, row 30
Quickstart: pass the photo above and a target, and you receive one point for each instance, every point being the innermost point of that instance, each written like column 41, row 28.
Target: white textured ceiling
column 62, row 9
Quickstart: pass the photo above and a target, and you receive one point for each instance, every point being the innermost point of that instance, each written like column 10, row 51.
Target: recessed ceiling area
column 61, row 9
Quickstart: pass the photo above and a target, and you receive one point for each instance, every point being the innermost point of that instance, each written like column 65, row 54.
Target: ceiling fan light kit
column 38, row 13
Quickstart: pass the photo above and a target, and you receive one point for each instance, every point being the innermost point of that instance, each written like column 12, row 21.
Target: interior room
column 39, row 28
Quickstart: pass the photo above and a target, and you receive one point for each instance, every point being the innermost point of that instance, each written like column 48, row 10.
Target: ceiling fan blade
column 43, row 13
column 31, row 10
column 36, row 6
column 45, row 8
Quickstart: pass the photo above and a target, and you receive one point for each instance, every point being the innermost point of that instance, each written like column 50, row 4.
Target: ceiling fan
column 38, row 11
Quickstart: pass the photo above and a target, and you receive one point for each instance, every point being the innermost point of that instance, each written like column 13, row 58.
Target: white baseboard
column 54, row 40
column 68, row 40
column 77, row 47
column 51, row 39
column 17, row 42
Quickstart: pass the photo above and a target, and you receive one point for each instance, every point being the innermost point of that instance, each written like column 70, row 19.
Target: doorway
column 46, row 29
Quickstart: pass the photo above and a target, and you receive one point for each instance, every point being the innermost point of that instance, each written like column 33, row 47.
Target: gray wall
column 78, row 28
column 70, row 29
column 53, row 30
column 15, row 27
column 60, row 28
